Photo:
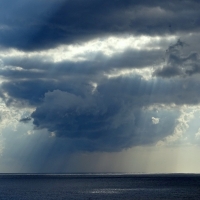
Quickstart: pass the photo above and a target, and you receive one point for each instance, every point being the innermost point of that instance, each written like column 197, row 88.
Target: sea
column 99, row 186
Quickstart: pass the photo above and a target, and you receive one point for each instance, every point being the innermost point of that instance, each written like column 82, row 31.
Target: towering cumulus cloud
column 99, row 76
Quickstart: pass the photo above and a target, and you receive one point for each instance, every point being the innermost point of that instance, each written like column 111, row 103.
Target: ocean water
column 99, row 186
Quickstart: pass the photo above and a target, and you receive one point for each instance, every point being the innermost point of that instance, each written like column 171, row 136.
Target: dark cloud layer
column 43, row 24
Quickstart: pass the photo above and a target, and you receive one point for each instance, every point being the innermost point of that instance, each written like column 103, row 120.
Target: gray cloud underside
column 56, row 22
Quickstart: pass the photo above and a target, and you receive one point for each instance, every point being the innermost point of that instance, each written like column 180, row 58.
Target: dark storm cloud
column 178, row 64
column 97, row 123
column 43, row 24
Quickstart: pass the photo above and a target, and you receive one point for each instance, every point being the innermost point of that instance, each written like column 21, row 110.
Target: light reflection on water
column 121, row 190
column 105, row 191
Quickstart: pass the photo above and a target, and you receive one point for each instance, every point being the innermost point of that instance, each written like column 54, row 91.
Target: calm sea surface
column 101, row 186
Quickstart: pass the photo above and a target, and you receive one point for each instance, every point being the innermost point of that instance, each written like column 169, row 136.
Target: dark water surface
column 101, row 186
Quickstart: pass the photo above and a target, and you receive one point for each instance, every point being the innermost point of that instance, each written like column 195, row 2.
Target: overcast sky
column 99, row 86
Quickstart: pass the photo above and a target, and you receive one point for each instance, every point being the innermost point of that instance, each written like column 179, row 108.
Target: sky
column 99, row 86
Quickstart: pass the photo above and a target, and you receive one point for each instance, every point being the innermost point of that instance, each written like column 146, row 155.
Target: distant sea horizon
column 97, row 173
